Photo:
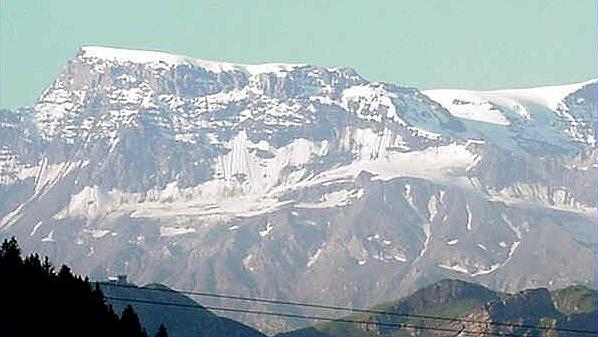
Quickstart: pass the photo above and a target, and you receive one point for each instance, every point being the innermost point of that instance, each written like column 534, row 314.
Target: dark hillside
column 35, row 300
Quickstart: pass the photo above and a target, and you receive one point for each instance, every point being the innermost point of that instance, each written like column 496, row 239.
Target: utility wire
column 356, row 310
column 319, row 318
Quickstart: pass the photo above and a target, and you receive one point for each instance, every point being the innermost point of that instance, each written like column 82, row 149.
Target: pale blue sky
column 425, row 43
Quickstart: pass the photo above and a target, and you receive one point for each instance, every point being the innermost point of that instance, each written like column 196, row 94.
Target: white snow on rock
column 538, row 112
column 445, row 164
column 247, row 263
column 559, row 199
column 264, row 233
column 248, row 145
column 313, row 258
column 454, row 267
column 549, row 96
column 44, row 174
column 468, row 105
column 335, row 199
column 49, row 237
column 224, row 199
column 432, row 208
column 469, row 225
column 478, row 105
column 427, row 229
column 121, row 55
column 259, row 191
column 497, row 266
column 367, row 144
column 10, row 166
column 262, row 174
column 35, row 228
column 167, row 231
column 89, row 203
column 97, row 233
column 399, row 256
column 370, row 102
column 373, row 237
column 12, row 216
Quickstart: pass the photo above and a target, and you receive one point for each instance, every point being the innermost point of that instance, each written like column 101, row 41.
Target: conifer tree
column 130, row 322
column 63, row 304
column 162, row 331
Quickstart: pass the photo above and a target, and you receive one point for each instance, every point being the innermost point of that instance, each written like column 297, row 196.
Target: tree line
column 37, row 300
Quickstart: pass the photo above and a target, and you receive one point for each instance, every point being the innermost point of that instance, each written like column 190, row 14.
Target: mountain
column 299, row 182
column 185, row 318
column 483, row 312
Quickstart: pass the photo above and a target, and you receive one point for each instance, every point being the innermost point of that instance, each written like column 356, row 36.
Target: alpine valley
column 297, row 182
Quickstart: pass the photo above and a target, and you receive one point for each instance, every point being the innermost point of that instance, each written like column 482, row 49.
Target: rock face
column 298, row 182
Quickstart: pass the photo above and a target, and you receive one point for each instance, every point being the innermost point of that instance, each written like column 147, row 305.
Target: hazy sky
column 425, row 43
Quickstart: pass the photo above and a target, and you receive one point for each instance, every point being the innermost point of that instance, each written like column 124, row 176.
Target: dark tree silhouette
column 37, row 301
column 129, row 322
column 162, row 331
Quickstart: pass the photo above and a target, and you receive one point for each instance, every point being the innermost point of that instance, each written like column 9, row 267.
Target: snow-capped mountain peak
column 551, row 97
column 547, row 112
column 271, row 178
column 121, row 55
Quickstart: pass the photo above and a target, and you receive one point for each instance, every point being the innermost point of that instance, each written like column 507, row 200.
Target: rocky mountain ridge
column 298, row 182
column 476, row 311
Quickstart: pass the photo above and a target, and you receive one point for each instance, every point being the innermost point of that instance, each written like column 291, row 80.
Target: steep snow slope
column 537, row 114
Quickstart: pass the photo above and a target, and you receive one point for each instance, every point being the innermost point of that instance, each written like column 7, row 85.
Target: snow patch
column 432, row 209
column 408, row 196
column 35, row 228
column 49, row 237
column 166, row 231
column 443, row 164
column 540, row 112
column 399, row 256
column 97, row 233
column 120, row 55
column 467, row 105
column 497, row 266
column 469, row 225
column 454, row 267
column 427, row 234
column 313, row 258
column 247, row 263
column 264, row 233
column 370, row 102
column 335, row 199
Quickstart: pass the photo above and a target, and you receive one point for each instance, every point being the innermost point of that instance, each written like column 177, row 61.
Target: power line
column 318, row 318
column 357, row 310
